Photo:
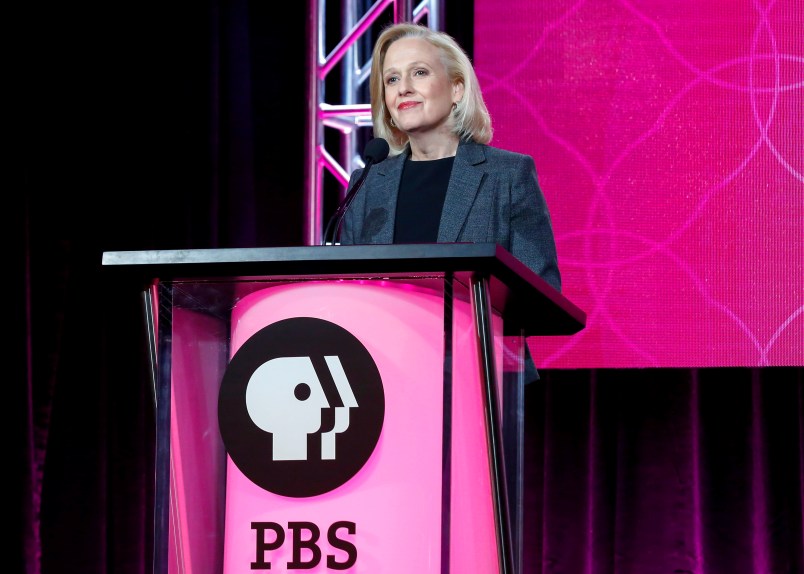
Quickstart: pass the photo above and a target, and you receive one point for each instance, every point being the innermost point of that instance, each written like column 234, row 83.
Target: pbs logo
column 301, row 407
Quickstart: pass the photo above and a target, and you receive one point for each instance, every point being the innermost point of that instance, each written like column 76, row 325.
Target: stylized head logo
column 285, row 398
column 301, row 407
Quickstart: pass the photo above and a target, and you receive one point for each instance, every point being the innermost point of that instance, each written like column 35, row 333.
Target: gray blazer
column 493, row 197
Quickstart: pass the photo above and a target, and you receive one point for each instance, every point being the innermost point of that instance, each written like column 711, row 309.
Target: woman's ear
column 457, row 92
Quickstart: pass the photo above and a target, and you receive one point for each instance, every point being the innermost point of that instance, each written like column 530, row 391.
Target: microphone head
column 376, row 150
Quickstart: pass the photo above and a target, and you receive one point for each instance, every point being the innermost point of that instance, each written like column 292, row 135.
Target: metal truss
column 338, row 126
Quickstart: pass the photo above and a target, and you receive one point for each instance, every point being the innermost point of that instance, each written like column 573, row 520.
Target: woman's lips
column 406, row 105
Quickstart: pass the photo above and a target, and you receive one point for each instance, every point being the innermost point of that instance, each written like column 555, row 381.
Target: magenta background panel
column 669, row 141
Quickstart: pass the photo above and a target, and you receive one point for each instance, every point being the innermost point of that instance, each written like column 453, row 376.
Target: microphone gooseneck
column 376, row 151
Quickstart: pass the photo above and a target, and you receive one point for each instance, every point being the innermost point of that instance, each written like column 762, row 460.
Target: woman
column 442, row 182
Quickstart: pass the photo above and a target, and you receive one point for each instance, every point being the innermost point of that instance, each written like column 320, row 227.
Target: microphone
column 376, row 150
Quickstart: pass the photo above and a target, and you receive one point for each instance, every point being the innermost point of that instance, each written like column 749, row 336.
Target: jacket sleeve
column 531, row 229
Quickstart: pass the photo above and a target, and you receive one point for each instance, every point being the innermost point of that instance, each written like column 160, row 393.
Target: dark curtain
column 660, row 471
column 181, row 125
column 137, row 126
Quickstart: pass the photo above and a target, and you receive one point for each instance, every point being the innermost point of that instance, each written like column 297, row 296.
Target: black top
column 421, row 199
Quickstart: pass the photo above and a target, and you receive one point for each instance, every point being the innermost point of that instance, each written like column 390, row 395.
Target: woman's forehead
column 405, row 51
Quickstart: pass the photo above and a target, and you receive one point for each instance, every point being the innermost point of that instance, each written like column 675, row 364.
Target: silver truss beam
column 330, row 161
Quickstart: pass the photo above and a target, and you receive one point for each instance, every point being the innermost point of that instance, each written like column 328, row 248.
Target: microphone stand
column 376, row 151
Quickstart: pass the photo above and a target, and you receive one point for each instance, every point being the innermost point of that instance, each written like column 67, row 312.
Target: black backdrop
column 181, row 125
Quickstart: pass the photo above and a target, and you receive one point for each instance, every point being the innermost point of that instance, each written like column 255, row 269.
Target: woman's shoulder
column 495, row 154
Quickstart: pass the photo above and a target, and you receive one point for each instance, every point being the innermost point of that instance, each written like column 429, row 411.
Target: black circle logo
column 301, row 407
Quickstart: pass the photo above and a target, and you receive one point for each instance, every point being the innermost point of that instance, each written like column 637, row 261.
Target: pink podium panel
column 355, row 442
column 197, row 457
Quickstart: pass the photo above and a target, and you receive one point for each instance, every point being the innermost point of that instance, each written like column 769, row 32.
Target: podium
column 340, row 408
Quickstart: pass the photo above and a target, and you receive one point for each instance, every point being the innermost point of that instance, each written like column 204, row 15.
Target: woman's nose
column 404, row 85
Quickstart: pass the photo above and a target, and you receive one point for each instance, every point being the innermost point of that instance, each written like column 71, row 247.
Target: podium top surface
column 542, row 309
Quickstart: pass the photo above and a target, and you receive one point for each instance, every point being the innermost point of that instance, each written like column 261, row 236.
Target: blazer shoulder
column 501, row 154
column 479, row 153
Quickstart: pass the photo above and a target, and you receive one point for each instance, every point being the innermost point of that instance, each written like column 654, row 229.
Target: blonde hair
column 471, row 117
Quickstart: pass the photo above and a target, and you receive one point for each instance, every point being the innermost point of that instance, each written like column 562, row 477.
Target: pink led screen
column 669, row 141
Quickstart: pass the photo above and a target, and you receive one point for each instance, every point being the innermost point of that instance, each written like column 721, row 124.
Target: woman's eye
column 390, row 80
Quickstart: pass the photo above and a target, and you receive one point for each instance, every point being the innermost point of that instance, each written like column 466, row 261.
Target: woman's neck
column 424, row 149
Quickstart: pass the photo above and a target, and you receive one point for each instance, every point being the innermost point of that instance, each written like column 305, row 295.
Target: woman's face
column 418, row 92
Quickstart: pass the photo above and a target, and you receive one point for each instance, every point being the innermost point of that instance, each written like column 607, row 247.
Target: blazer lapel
column 464, row 183
column 385, row 193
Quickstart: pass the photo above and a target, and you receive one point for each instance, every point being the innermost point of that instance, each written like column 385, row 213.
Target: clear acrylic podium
column 340, row 408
